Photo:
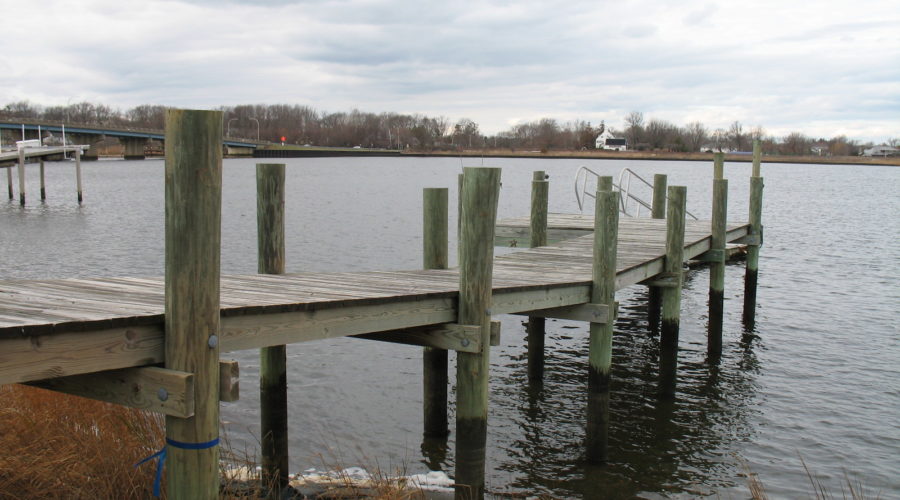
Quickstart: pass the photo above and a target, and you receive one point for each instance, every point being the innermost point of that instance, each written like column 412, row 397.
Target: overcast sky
column 825, row 68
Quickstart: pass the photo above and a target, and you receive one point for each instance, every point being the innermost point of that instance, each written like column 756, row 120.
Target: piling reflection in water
column 657, row 443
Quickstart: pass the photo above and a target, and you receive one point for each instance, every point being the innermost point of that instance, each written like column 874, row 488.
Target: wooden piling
column 270, row 180
column 193, row 173
column 752, row 271
column 536, row 329
column 21, row 172
column 78, row 174
column 9, row 182
column 434, row 361
column 657, row 211
column 481, row 189
column 673, row 278
column 603, row 291
column 717, row 268
column 43, row 185
column 719, row 165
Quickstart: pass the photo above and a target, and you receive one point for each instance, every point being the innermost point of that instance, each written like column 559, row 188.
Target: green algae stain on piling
column 270, row 199
column 481, row 189
column 435, row 242
column 606, row 223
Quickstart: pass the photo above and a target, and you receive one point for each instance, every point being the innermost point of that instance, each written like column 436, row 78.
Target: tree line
column 300, row 124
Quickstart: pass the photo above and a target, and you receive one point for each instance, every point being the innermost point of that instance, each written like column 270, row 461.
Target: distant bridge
column 134, row 139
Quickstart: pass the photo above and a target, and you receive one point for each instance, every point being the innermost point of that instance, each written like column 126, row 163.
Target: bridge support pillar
column 88, row 139
column 134, row 147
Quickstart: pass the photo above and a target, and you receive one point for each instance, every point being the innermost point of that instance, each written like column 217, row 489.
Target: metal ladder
column 630, row 204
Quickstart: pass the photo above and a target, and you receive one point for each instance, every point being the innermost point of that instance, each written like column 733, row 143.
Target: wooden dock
column 19, row 158
column 106, row 338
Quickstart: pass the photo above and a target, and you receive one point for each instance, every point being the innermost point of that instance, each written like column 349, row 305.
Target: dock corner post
column 671, row 295
column 21, row 173
column 435, row 379
column 603, row 291
column 717, row 269
column 756, row 230
column 657, row 211
column 43, row 184
column 193, row 194
column 481, row 190
column 78, row 174
column 270, row 181
column 540, row 189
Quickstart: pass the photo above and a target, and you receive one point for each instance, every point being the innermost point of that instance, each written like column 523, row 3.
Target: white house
column 881, row 151
column 607, row 141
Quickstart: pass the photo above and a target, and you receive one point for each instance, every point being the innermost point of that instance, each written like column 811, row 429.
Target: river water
column 816, row 379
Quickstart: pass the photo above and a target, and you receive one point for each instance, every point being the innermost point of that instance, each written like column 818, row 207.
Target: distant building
column 881, row 151
column 608, row 141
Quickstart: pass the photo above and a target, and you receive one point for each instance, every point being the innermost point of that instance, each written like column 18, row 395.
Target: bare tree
column 634, row 128
column 736, row 136
column 795, row 143
column 695, row 136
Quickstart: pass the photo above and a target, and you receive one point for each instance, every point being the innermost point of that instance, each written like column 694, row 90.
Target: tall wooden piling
column 270, row 180
column 21, row 172
column 78, row 174
column 672, row 279
column 540, row 189
column 193, row 189
column 755, row 238
column 717, row 268
column 481, row 189
column 603, row 291
column 43, row 185
column 435, row 254
column 657, row 211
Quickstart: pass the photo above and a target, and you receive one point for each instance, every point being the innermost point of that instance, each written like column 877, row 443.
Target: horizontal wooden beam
column 150, row 388
column 714, row 255
column 450, row 336
column 663, row 280
column 592, row 313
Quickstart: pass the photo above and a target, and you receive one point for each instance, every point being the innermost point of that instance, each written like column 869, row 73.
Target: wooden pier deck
column 55, row 328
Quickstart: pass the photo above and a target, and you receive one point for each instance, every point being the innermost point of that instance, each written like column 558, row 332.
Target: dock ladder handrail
column 582, row 192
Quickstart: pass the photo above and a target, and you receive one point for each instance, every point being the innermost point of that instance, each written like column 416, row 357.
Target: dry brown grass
column 57, row 446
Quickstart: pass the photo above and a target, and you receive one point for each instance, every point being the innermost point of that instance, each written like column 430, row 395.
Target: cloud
column 783, row 66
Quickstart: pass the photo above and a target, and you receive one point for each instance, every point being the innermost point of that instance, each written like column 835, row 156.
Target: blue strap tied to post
column 161, row 457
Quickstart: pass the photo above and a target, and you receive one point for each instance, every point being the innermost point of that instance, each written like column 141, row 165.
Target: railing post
column 270, row 181
column 536, row 326
column 671, row 296
column 193, row 235
column 481, row 189
column 21, row 172
column 657, row 211
column 717, row 266
column 434, row 360
column 603, row 291
column 750, row 277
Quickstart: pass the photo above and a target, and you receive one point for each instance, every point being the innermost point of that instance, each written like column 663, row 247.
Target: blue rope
column 161, row 457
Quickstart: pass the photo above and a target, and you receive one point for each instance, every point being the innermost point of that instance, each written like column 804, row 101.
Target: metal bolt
column 213, row 341
column 487, row 311
column 162, row 394
column 465, row 342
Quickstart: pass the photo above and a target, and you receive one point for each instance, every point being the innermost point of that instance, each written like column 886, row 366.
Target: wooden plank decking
column 53, row 328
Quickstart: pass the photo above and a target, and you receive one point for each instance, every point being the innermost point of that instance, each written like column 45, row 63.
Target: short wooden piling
column 434, row 360
column 43, row 185
column 755, row 237
column 270, row 181
column 717, row 268
column 481, row 189
column 606, row 223
column 657, row 211
column 78, row 174
column 21, row 172
column 672, row 279
column 536, row 326
column 193, row 188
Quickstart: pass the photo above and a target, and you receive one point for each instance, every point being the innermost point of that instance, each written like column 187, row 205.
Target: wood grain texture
column 193, row 171
column 435, row 377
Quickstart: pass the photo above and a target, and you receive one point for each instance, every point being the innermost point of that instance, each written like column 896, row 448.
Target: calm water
column 816, row 379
